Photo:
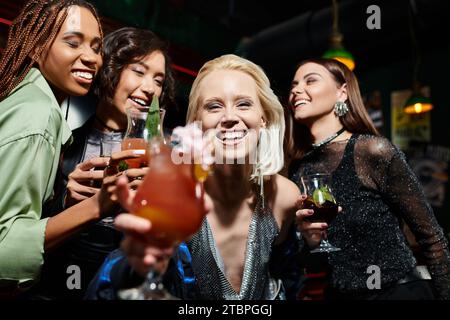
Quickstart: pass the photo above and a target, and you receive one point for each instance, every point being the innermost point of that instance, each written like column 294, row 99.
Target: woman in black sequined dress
column 373, row 184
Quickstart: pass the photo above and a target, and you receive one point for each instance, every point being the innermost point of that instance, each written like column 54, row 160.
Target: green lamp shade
column 341, row 55
column 417, row 104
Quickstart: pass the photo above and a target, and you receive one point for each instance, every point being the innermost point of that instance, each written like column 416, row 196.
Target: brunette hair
column 357, row 120
column 126, row 46
column 36, row 26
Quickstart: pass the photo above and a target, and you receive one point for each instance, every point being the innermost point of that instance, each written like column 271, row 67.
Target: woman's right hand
column 138, row 246
column 82, row 181
column 108, row 196
column 312, row 232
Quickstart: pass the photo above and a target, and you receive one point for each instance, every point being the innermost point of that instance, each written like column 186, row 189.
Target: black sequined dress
column 376, row 188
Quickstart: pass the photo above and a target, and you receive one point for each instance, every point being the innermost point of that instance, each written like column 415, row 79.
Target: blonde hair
column 270, row 157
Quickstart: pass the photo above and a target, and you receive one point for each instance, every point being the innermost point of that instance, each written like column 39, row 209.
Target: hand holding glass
column 319, row 197
column 170, row 197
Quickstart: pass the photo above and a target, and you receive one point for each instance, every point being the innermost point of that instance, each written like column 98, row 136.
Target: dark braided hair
column 36, row 26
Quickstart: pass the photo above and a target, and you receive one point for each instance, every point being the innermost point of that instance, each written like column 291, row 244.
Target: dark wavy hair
column 357, row 120
column 126, row 46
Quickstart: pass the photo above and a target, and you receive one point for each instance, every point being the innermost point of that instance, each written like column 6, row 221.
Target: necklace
column 106, row 126
column 328, row 140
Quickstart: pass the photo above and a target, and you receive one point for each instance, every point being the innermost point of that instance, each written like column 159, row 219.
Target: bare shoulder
column 286, row 195
column 284, row 204
column 288, row 192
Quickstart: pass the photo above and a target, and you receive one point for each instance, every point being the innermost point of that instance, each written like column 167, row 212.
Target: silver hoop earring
column 340, row 108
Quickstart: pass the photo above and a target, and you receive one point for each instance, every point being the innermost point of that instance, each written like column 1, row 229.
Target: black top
column 376, row 188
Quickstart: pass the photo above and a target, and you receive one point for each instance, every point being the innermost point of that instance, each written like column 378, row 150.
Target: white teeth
column 140, row 101
column 232, row 135
column 84, row 75
column 301, row 102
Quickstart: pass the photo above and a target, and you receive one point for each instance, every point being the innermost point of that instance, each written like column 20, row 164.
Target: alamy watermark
column 73, row 281
column 374, row 20
column 374, row 280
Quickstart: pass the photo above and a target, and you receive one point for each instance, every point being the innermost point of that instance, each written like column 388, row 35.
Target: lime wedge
column 327, row 194
column 318, row 197
column 321, row 195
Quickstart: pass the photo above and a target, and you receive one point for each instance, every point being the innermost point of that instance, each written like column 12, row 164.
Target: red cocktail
column 138, row 133
column 140, row 145
column 170, row 197
column 320, row 198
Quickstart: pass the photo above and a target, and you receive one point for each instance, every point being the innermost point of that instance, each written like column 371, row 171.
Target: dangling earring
column 340, row 108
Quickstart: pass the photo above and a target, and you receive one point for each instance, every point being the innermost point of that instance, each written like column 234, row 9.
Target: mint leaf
column 153, row 119
column 123, row 165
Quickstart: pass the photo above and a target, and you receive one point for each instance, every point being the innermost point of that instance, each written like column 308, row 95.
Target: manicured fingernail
column 139, row 152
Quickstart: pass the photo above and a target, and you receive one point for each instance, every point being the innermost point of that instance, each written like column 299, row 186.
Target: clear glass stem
column 151, row 289
column 325, row 246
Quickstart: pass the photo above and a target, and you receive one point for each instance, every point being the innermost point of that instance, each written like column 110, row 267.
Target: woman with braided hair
column 53, row 51
column 136, row 68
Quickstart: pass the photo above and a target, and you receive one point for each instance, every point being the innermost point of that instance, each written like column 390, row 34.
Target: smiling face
column 73, row 59
column 229, row 103
column 139, row 82
column 314, row 93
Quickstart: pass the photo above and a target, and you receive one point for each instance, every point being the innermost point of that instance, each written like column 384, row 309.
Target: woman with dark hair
column 131, row 56
column 53, row 51
column 136, row 68
column 373, row 184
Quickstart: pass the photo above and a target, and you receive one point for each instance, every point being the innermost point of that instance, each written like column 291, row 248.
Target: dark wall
column 430, row 166
column 434, row 72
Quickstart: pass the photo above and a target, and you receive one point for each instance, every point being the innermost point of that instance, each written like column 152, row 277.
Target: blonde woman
column 251, row 207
